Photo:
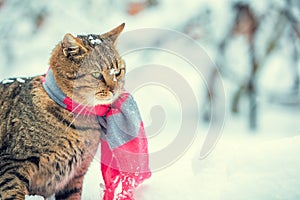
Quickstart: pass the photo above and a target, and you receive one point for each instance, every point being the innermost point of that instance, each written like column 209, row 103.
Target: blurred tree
column 285, row 28
column 1, row 3
column 22, row 23
column 246, row 24
column 135, row 7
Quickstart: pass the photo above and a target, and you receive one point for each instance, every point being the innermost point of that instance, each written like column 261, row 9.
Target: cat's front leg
column 72, row 191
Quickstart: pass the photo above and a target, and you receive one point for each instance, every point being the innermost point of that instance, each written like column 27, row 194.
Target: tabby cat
column 44, row 148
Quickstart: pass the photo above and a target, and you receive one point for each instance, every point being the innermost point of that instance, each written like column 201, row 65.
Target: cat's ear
column 114, row 34
column 72, row 46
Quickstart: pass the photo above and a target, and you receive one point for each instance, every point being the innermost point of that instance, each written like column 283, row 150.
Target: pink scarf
column 124, row 146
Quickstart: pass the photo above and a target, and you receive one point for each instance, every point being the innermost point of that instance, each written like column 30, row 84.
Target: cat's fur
column 45, row 149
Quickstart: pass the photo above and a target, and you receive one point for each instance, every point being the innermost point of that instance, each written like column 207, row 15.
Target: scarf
column 124, row 146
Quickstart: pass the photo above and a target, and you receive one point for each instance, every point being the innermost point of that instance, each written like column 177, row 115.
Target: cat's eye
column 118, row 72
column 97, row 75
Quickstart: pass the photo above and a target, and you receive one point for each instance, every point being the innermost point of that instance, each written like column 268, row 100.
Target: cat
column 44, row 148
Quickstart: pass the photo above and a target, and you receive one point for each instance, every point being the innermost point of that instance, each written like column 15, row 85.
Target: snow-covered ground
column 262, row 164
column 244, row 165
column 237, row 169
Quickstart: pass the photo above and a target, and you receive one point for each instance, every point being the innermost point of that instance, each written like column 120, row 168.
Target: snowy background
column 248, row 162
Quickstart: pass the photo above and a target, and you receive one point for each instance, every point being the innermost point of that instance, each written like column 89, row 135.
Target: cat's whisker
column 83, row 103
column 83, row 109
column 86, row 111
column 79, row 113
column 71, row 113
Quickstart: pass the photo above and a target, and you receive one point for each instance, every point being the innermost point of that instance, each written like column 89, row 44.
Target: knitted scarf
column 124, row 146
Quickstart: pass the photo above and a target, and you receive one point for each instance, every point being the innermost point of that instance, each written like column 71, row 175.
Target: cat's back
column 11, row 92
column 16, row 102
column 15, row 93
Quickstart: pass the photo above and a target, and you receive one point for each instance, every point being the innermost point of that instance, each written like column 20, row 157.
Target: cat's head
column 88, row 68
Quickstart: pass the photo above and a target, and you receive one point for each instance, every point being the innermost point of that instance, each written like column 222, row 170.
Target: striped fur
column 45, row 149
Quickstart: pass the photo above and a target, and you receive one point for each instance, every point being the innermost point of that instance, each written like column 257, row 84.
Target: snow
column 7, row 81
column 97, row 41
column 240, row 167
column 20, row 80
column 260, row 164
